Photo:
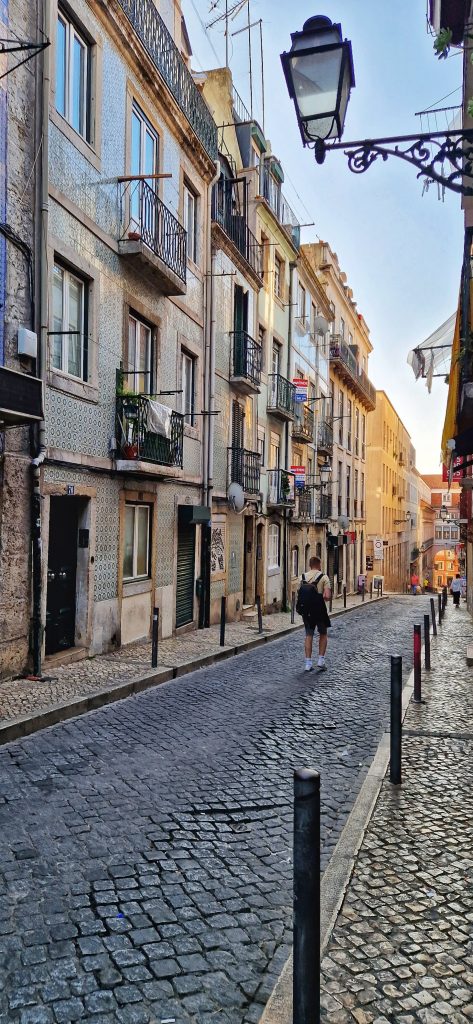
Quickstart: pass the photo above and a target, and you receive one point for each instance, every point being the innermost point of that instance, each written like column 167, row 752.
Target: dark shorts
column 321, row 628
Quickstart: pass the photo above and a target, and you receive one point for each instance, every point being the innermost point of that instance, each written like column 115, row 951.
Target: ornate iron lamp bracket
column 428, row 152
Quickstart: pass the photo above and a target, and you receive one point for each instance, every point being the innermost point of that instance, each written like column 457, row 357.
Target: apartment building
column 449, row 541
column 426, row 531
column 132, row 155
column 392, row 500
column 352, row 400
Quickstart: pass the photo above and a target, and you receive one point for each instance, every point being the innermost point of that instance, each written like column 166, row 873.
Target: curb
column 17, row 728
column 337, row 875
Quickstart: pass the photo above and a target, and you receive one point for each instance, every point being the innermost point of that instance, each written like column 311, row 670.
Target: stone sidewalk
column 68, row 690
column 401, row 950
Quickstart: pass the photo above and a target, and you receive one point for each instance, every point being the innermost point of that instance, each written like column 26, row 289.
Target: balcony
column 152, row 238
column 281, row 397
column 325, row 437
column 147, row 432
column 245, row 373
column 304, row 424
column 244, row 469
column 163, row 52
column 304, row 505
column 21, row 398
column 323, row 507
column 344, row 363
column 281, row 488
column 277, row 202
column 230, row 214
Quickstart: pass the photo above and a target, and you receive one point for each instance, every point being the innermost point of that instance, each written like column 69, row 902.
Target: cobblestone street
column 401, row 952
column 145, row 851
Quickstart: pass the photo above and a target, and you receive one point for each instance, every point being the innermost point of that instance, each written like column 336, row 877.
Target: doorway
column 248, row 572
column 185, row 575
column 62, row 573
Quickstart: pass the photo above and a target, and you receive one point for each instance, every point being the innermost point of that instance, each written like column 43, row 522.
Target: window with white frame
column 342, row 327
column 349, row 423
column 140, row 343
column 273, row 546
column 73, row 60
column 144, row 160
column 136, row 550
column 188, row 384
column 278, row 276
column 190, row 221
column 69, row 323
column 302, row 302
column 295, row 561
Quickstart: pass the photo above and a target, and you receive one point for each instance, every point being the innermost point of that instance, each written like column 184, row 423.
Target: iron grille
column 304, row 503
column 229, row 213
column 161, row 48
column 304, row 422
column 281, row 393
column 244, row 469
column 246, row 357
column 325, row 436
column 281, row 487
column 341, row 351
column 135, row 441
column 155, row 225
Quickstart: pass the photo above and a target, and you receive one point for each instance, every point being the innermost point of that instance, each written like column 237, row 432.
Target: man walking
column 456, row 589
column 313, row 593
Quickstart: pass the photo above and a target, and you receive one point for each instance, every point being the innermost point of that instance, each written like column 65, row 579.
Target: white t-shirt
column 456, row 586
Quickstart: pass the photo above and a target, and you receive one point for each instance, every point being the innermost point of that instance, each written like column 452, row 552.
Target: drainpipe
column 42, row 242
column 208, row 406
column 286, row 524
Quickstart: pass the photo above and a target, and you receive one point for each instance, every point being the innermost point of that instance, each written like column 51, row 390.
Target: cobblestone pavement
column 402, row 949
column 65, row 682
column 145, row 849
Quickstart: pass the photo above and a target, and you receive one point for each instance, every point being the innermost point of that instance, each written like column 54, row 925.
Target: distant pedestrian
column 414, row 582
column 456, row 589
column 314, row 591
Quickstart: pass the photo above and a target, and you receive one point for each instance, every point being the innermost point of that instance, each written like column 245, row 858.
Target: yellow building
column 390, row 514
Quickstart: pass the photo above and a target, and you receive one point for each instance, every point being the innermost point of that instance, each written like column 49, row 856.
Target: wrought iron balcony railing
column 21, row 397
column 226, row 213
column 246, row 362
column 281, row 487
column 136, row 438
column 325, row 436
column 342, row 356
column 281, row 396
column 323, row 506
column 162, row 50
column 244, row 469
column 146, row 219
column 304, row 423
column 279, row 205
column 304, row 504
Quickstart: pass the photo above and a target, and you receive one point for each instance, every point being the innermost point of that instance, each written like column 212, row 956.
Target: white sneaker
column 308, row 665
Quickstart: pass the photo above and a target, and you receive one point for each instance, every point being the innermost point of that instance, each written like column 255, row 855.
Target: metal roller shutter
column 185, row 569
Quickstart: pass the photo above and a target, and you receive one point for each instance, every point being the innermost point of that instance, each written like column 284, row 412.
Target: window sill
column 85, row 148
column 194, row 269
column 132, row 587
column 71, row 386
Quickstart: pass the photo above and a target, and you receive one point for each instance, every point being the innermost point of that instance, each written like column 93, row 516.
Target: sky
column 401, row 250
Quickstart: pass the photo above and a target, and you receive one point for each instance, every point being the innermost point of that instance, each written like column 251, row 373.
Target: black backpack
column 308, row 598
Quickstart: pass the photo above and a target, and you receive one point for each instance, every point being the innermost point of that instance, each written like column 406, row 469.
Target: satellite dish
column 236, row 497
column 343, row 522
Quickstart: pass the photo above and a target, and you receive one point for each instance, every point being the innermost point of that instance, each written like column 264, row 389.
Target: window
column 363, row 436
column 138, row 377
column 340, row 415
column 301, row 305
column 188, row 380
column 262, row 343
column 348, row 491
column 278, row 276
column 357, row 431
column 69, row 329
column 190, row 221
column 295, row 561
column 362, row 496
column 340, row 489
column 307, row 556
column 331, row 325
column 144, row 160
column 273, row 546
column 275, row 357
column 350, row 338
column 136, row 553
column 439, row 581
column 274, row 451
column 355, row 493
column 73, row 75
column 349, row 419
column 342, row 327
column 262, row 449
column 438, row 533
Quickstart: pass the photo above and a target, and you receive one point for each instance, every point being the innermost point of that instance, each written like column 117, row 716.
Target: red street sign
column 457, row 471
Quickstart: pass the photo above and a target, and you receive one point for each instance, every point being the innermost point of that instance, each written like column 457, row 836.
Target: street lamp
column 325, row 473
column 319, row 76
column 443, row 514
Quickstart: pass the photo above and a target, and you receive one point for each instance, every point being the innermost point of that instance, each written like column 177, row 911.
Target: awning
column 432, row 357
column 450, row 429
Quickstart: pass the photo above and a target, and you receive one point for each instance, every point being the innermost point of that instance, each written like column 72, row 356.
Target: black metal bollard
column 444, row 597
column 154, row 638
column 344, row 596
column 223, row 604
column 377, row 588
column 371, row 590
column 417, row 665
column 439, row 597
column 306, row 927
column 396, row 721
column 362, row 591
column 432, row 613
column 330, row 602
column 381, row 588
column 260, row 615
column 427, row 641
column 293, row 609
